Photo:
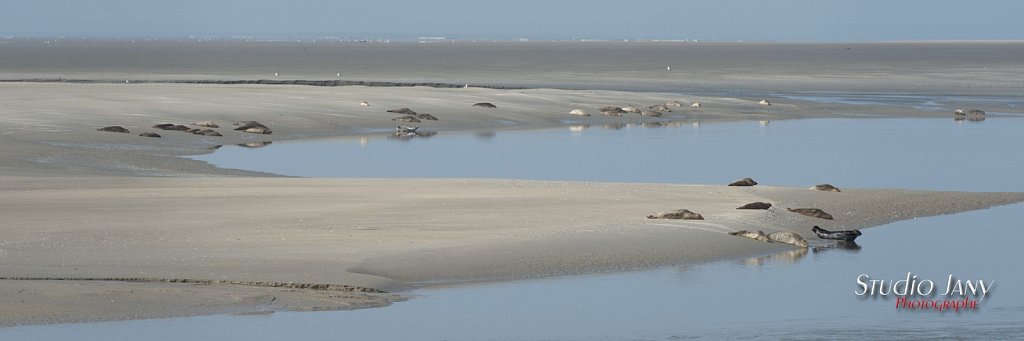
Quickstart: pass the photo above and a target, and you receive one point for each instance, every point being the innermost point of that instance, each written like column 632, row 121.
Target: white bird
column 339, row 74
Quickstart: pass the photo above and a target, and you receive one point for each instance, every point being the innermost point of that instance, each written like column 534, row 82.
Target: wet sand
column 94, row 216
column 149, row 245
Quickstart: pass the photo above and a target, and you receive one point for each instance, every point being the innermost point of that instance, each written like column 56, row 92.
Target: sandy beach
column 109, row 226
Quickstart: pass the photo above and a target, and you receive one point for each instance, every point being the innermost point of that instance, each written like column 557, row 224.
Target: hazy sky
column 793, row 20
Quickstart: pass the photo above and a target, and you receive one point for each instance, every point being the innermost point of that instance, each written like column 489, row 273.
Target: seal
column 410, row 119
column 253, row 127
column 845, row 235
column 764, row 102
column 787, row 237
column 651, row 113
column 150, row 135
column 404, row 129
column 812, row 212
column 206, row 124
column 757, row 235
column 674, row 104
column 364, row 104
column 114, row 129
column 208, row 132
column 826, row 188
column 427, row 117
column 611, row 111
column 695, row 105
column 403, row 111
column 677, row 214
column 259, row 144
column 169, row 126
column 485, row 105
column 755, row 206
column 744, row 182
column 630, row 108
column 661, row 108
column 578, row 112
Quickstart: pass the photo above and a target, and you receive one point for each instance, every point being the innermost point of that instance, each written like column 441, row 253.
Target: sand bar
column 386, row 235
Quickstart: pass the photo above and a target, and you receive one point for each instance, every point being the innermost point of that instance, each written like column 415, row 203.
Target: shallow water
column 911, row 153
column 790, row 295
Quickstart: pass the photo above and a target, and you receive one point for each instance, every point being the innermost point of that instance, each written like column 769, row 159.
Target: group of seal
column 246, row 126
column 411, row 116
column 973, row 115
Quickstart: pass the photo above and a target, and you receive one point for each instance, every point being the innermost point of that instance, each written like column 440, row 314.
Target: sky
column 779, row 20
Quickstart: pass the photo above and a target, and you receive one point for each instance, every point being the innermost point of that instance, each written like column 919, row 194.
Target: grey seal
column 114, row 129
column 661, row 108
column 826, row 188
column 845, row 235
column 677, row 214
column 207, row 132
column 253, row 127
column 485, row 105
column 427, row 117
column 403, row 111
column 757, row 235
column 812, row 212
column 787, row 237
column 755, row 206
column 410, row 119
column 611, row 111
column 744, row 182
column 206, row 124
column 150, row 135
column 652, row 113
column 259, row 144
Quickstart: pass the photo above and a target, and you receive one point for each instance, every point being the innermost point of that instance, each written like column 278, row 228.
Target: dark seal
column 485, row 105
column 149, row 135
column 677, row 214
column 744, row 182
column 403, row 111
column 114, row 129
column 755, row 206
column 846, row 235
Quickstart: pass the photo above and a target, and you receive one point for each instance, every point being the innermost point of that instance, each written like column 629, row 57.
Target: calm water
column 936, row 154
column 791, row 295
column 960, row 68
column 784, row 296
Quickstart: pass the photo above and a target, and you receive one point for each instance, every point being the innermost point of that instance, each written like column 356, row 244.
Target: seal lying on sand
column 611, row 111
column 744, row 182
column 847, row 235
column 677, row 214
column 169, row 126
column 406, row 119
column 259, row 144
column 811, row 212
column 695, row 105
column 206, row 124
column 578, row 112
column 114, row 129
column 206, row 132
column 788, row 238
column 674, row 104
column 630, row 108
column 758, row 235
column 652, row 113
column 485, row 105
column 661, row 108
column 826, row 188
column 150, row 135
column 427, row 117
column 764, row 102
column 403, row 111
column 253, row 127
column 755, row 206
